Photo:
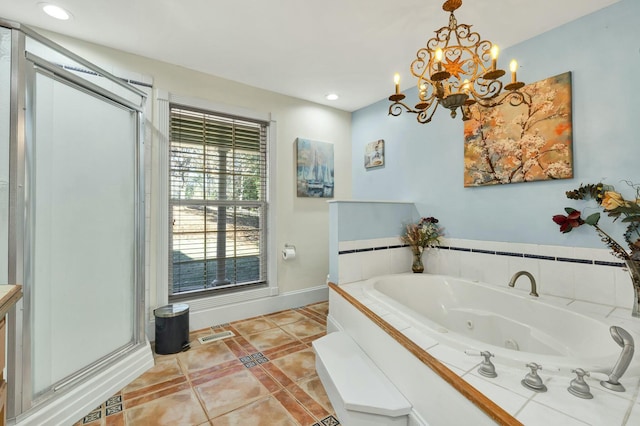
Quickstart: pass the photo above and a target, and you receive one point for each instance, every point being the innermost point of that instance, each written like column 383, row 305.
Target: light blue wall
column 353, row 221
column 424, row 162
column 366, row 220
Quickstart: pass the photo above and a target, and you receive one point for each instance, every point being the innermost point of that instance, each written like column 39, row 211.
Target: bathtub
column 515, row 327
column 416, row 328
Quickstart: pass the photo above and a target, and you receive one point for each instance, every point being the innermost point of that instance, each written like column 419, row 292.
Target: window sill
column 204, row 303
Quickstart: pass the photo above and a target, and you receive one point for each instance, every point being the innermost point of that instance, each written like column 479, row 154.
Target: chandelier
column 456, row 70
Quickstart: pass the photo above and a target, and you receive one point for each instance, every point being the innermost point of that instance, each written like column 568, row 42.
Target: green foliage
column 592, row 219
column 250, row 188
column 589, row 191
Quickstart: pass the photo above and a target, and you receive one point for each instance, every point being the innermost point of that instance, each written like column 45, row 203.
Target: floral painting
column 314, row 169
column 527, row 142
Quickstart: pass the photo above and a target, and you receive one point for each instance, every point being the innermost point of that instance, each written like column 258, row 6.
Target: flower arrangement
column 425, row 233
column 616, row 206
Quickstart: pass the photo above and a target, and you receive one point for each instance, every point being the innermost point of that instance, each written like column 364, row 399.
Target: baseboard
column 203, row 318
column 332, row 325
column 416, row 420
column 69, row 407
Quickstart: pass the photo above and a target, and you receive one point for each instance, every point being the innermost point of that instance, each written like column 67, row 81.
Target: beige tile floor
column 264, row 375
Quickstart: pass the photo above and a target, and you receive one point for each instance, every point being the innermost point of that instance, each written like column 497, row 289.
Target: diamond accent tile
column 92, row 417
column 113, row 409
column 330, row 421
column 116, row 399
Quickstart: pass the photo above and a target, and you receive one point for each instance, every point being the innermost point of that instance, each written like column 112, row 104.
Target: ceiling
column 304, row 49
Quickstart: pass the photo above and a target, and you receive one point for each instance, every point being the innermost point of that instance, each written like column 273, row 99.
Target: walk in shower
column 71, row 226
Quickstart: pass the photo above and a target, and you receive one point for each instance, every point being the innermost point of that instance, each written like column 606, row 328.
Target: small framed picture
column 374, row 154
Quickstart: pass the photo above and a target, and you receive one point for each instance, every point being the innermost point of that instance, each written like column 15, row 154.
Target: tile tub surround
column 584, row 274
column 265, row 374
column 555, row 407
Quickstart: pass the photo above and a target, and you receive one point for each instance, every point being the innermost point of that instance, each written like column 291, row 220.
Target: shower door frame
column 24, row 67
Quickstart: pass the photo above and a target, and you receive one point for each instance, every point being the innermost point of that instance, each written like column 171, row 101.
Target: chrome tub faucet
column 512, row 281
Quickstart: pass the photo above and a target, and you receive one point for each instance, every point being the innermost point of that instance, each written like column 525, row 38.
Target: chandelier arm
column 419, row 66
column 423, row 117
column 483, row 52
column 518, row 98
column 484, row 91
column 430, row 92
column 442, row 36
column 397, row 107
column 463, row 32
column 515, row 98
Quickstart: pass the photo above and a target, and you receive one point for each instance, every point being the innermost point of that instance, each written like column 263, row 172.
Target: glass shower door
column 71, row 138
column 82, row 216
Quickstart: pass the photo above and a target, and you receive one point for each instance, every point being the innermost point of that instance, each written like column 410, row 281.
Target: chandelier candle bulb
column 494, row 57
column 515, row 84
column 513, row 66
column 396, row 80
column 465, row 86
column 439, row 59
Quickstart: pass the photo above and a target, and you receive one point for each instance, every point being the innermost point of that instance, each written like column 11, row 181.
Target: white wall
column 301, row 222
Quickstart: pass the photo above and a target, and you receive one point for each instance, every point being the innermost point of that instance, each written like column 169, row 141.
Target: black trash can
column 172, row 328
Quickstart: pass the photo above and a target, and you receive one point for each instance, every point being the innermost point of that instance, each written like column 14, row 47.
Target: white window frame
column 163, row 100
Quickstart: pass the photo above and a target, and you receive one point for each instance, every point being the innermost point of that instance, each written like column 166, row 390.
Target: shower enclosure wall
column 71, row 228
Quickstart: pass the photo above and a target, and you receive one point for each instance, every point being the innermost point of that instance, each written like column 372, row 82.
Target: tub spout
column 625, row 341
column 518, row 274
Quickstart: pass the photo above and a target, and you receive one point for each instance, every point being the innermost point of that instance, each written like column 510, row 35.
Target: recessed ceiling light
column 332, row 97
column 55, row 11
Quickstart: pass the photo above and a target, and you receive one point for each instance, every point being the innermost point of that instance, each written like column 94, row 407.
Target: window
column 217, row 202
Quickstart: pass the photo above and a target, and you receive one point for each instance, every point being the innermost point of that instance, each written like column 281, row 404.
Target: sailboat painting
column 314, row 168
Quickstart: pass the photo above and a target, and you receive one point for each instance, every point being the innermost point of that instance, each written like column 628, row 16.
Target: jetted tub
column 515, row 327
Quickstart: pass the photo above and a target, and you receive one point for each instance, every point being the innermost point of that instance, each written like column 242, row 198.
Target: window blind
column 217, row 201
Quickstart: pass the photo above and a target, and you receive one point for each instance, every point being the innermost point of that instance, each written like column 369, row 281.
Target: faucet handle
column 534, row 367
column 578, row 387
column 592, row 374
column 532, row 381
column 487, row 369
